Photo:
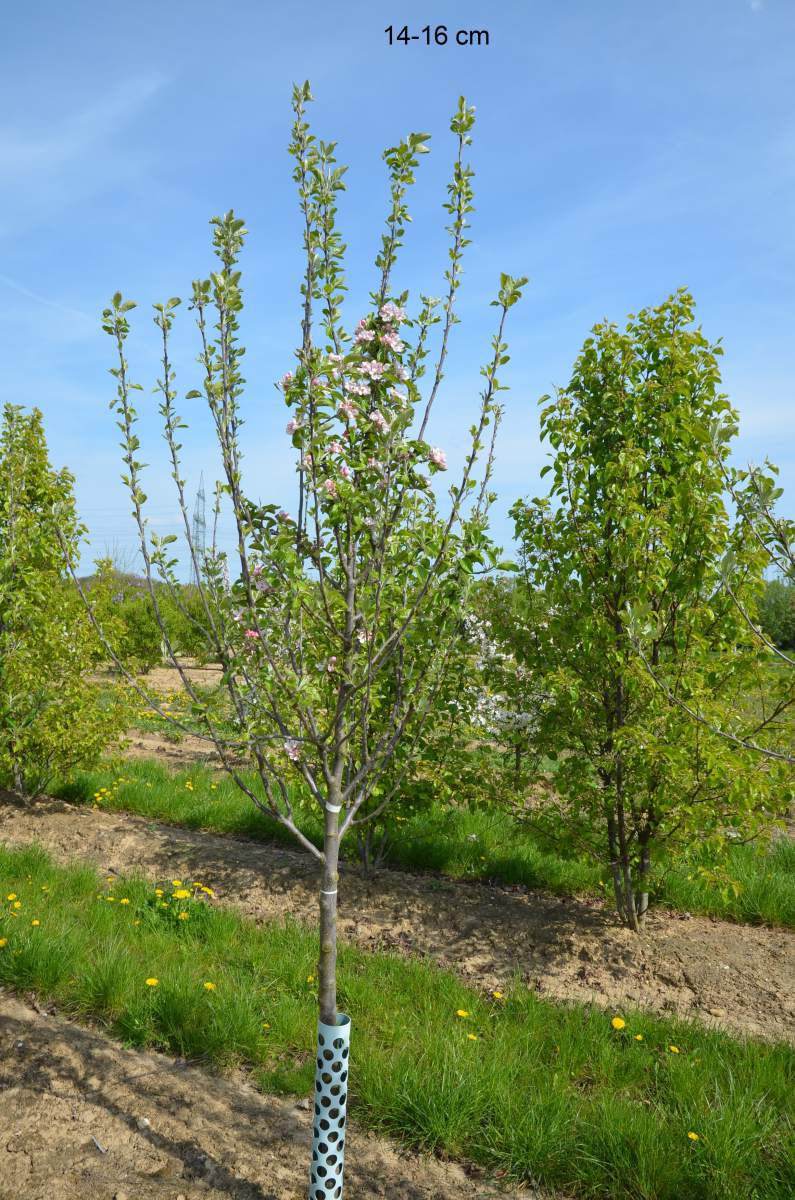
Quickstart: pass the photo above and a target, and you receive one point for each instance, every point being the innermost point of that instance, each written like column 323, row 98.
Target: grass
column 544, row 1093
column 461, row 843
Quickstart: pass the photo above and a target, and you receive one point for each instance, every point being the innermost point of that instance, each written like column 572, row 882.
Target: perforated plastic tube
column 331, row 1098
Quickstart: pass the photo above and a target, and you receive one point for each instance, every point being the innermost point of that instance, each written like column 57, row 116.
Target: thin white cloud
column 43, row 169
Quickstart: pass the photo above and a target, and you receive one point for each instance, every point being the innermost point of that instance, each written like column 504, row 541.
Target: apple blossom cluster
column 366, row 391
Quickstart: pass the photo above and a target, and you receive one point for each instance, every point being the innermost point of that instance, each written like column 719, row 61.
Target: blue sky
column 623, row 148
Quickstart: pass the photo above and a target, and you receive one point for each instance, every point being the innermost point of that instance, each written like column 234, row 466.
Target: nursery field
column 351, row 844
column 577, row 1099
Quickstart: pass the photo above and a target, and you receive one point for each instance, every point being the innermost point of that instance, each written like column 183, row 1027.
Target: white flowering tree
column 335, row 626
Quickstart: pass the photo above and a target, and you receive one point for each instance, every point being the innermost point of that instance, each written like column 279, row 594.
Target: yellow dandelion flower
column 310, row 979
column 176, row 883
column 210, row 987
column 461, row 1012
column 213, row 786
column 180, row 894
column 11, row 896
column 124, row 900
column 618, row 1022
column 17, row 904
column 638, row 1037
column 693, row 1136
column 158, row 891
column 208, row 891
column 110, row 899
column 152, row 981
column 674, row 1049
column 196, row 883
column 136, row 922
column 498, row 995
column 35, row 922
column 266, row 1024
column 183, row 916
column 3, row 941
column 473, row 1037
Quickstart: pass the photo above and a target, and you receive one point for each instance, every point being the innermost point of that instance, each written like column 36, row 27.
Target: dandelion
column 266, row 1024
column 310, row 979
column 208, row 891
column 11, row 896
column 461, row 1012
column 180, row 894
column 183, row 916
column 124, row 900
column 638, row 1037
column 110, row 899
column 674, row 1049
column 210, row 987
column 136, row 922
column 498, row 995
column 473, row 1037
column 693, row 1136
column 35, row 922
column 158, row 891
column 618, row 1022
column 152, row 981
column 213, row 786
column 176, row 883
column 17, row 904
column 3, row 942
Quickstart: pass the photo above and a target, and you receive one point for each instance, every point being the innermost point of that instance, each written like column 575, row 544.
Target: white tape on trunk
column 333, row 808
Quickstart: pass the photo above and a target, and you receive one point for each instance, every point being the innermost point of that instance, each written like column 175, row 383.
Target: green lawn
column 471, row 845
column 546, row 1093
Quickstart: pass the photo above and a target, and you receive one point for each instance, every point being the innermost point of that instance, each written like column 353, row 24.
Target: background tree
column 52, row 717
column 635, row 523
column 335, row 630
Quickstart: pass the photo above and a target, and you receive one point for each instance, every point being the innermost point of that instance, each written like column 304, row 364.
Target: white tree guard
column 331, row 1098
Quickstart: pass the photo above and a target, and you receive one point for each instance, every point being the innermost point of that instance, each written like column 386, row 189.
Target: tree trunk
column 327, row 964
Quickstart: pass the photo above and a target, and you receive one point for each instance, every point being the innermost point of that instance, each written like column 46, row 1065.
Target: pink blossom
column 331, row 665
column 251, row 634
column 292, row 425
column 363, row 334
column 335, row 448
column 391, row 339
column 438, row 458
column 391, row 312
column 292, row 749
column 283, row 514
column 287, row 379
column 306, row 462
column 345, row 471
column 401, row 371
column 372, row 367
column 358, row 387
column 336, row 358
column 346, row 409
column 380, row 421
column 330, row 488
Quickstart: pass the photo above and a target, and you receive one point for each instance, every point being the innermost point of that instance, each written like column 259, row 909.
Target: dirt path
column 84, row 1119
column 735, row 977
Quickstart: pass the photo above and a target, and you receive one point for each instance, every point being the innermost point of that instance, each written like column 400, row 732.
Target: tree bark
column 327, row 964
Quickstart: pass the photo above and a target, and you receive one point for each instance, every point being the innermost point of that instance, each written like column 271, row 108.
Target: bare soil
column 734, row 977
column 85, row 1119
